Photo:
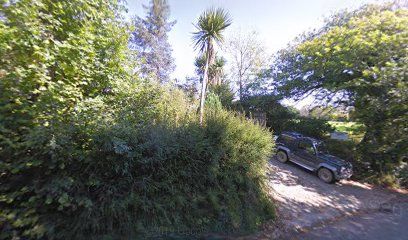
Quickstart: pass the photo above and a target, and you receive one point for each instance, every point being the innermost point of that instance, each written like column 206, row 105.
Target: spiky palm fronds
column 216, row 69
column 210, row 27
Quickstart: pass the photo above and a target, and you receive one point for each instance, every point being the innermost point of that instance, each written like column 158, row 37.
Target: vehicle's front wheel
column 326, row 175
column 282, row 156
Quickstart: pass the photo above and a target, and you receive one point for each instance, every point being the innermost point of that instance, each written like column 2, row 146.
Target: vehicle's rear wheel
column 326, row 175
column 282, row 156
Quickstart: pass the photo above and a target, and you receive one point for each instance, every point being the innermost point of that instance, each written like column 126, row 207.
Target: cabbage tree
column 210, row 27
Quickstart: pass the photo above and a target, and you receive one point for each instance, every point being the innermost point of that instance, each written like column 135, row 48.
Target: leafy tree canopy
column 150, row 41
column 358, row 58
column 53, row 55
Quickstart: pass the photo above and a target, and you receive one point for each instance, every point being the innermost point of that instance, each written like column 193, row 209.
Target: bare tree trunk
column 240, row 88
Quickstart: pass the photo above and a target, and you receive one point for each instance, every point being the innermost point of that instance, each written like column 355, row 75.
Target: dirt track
column 306, row 204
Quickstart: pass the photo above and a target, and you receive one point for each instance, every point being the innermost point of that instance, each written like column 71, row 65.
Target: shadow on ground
column 305, row 202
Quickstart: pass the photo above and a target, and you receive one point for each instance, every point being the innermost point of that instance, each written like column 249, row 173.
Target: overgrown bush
column 281, row 118
column 137, row 163
column 343, row 149
column 89, row 151
column 402, row 175
column 313, row 127
column 347, row 150
column 224, row 92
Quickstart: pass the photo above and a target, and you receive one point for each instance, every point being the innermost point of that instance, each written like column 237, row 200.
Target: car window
column 307, row 146
column 321, row 148
column 284, row 139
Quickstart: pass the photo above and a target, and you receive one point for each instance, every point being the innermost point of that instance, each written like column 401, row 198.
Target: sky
column 277, row 22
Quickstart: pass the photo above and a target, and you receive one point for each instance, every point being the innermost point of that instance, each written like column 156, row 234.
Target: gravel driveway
column 307, row 205
column 378, row 225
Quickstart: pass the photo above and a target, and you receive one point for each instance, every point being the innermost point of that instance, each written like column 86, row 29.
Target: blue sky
column 276, row 21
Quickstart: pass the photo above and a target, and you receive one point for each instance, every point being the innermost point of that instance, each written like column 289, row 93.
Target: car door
column 305, row 154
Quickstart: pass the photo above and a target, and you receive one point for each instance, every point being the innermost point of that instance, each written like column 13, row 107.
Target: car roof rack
column 293, row 134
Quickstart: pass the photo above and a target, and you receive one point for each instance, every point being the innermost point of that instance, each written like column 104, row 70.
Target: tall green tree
column 150, row 41
column 359, row 59
column 53, row 56
column 210, row 27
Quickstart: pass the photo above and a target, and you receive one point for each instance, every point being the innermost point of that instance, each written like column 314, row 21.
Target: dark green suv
column 311, row 154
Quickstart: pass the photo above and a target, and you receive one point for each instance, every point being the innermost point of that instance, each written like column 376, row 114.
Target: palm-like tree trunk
column 210, row 26
column 203, row 89
column 210, row 56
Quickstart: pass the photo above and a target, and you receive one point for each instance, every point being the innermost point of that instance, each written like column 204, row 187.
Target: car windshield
column 321, row 148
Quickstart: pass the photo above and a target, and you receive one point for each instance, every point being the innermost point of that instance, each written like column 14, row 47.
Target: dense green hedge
column 137, row 162
column 281, row 118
